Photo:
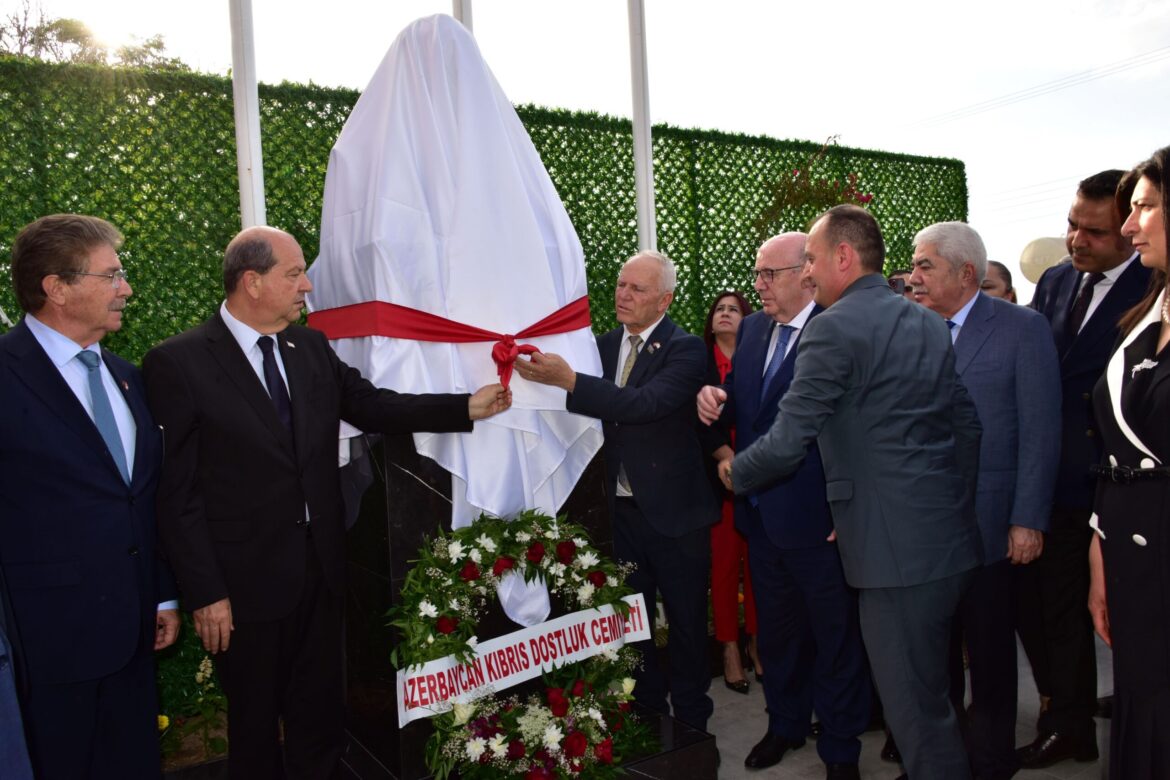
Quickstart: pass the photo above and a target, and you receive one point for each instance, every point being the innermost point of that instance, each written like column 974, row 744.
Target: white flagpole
column 643, row 153
column 249, row 160
column 461, row 10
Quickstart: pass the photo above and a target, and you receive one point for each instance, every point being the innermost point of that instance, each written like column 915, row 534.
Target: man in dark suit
column 1005, row 358
column 1083, row 300
column 809, row 636
column 250, row 507
column 875, row 386
column 80, row 457
column 661, row 501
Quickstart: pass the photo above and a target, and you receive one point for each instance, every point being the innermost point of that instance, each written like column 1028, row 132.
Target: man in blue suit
column 1005, row 358
column 1083, row 300
column 661, row 501
column 809, row 635
column 81, row 459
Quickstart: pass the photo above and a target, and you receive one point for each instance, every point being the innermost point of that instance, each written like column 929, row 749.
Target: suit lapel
column 143, row 423
column 1062, row 301
column 648, row 356
column 974, row 333
column 32, row 367
column 1115, row 374
column 749, row 358
column 235, row 366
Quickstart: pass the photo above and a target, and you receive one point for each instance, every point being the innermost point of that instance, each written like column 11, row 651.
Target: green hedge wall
column 155, row 154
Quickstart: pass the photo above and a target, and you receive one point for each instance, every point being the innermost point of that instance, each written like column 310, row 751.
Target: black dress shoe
column 815, row 729
column 1049, row 749
column 769, row 750
column 842, row 772
column 739, row 686
column 890, row 751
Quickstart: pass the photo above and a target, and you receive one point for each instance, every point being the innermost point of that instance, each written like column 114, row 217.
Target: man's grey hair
column 251, row 252
column 669, row 275
column 957, row 243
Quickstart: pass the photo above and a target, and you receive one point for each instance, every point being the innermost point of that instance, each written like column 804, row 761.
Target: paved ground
column 739, row 722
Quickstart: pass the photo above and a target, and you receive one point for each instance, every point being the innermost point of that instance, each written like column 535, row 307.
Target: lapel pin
column 653, row 347
column 125, row 386
column 289, row 344
column 1142, row 366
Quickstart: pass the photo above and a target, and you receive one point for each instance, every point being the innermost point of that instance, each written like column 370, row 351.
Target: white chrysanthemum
column 430, row 639
column 463, row 712
column 610, row 654
column 475, row 555
column 476, row 747
column 523, row 537
column 586, row 560
column 499, row 746
column 427, row 609
column 611, row 581
column 585, row 593
column 596, row 715
column 552, row 738
column 581, row 542
column 486, row 542
column 455, row 550
column 557, row 570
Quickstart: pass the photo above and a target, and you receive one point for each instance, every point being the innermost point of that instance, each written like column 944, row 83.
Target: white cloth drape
column 436, row 199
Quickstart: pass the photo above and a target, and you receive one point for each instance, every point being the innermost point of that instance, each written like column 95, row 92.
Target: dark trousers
column 288, row 670
column 1056, row 628
column 810, row 646
column 986, row 623
column 677, row 567
column 907, row 634
column 97, row 729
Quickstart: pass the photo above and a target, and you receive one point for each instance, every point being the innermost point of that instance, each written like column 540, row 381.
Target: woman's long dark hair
column 1155, row 170
column 708, row 326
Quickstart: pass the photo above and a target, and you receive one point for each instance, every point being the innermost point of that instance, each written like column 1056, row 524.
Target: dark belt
column 1128, row 474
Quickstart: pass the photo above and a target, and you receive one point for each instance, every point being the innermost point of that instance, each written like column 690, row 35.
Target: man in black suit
column 810, row 638
column 80, row 454
column 661, row 500
column 1083, row 300
column 250, row 508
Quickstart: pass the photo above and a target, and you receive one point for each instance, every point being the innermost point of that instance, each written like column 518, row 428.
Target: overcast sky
column 1032, row 95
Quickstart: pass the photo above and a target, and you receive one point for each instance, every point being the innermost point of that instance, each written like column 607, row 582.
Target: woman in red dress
column 728, row 549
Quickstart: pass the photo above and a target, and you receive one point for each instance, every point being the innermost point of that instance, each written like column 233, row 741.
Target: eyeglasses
column 116, row 277
column 769, row 274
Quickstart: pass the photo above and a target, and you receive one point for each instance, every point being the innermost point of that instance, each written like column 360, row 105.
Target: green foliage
column 154, row 152
column 188, row 687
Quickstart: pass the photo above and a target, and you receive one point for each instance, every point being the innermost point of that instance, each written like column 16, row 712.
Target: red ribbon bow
column 378, row 318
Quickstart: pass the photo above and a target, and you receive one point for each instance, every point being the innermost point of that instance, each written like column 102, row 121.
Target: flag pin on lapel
column 289, row 344
column 125, row 386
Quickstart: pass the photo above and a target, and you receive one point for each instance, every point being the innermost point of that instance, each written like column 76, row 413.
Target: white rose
column 427, row 609
column 463, row 712
column 473, row 642
column 628, row 685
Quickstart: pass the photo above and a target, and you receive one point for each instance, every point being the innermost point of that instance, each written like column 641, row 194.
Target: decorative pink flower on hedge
column 596, row 578
column 469, row 572
column 603, row 750
column 565, row 551
column 446, row 624
column 502, row 564
column 535, row 552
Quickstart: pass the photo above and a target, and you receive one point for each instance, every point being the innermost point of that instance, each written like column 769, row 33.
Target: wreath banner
column 508, row 660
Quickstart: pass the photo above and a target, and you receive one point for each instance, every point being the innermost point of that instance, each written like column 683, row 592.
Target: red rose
column 624, row 706
column 557, row 702
column 515, row 750
column 535, row 552
column 565, row 552
column 596, row 577
column 502, row 564
column 575, row 745
column 446, row 624
column 580, row 687
column 469, row 571
column 617, row 725
column 604, row 750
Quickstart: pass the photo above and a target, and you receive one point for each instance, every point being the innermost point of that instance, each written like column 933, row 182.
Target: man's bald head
column 778, row 276
column 785, row 249
column 251, row 250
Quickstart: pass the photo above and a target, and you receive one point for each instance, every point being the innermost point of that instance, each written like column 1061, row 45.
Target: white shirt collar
column 645, row 334
column 1113, row 273
column 245, row 335
column 961, row 315
column 801, row 317
column 59, row 347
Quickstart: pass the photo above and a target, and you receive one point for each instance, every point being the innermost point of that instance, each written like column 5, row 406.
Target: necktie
column 951, row 325
column 276, row 388
column 103, row 413
column 777, row 358
column 1076, row 316
column 627, row 367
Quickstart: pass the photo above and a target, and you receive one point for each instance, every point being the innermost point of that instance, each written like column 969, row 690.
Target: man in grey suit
column 1007, row 361
column 875, row 387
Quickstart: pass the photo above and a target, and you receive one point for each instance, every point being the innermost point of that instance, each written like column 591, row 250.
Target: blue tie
column 103, row 413
column 275, row 383
column 777, row 359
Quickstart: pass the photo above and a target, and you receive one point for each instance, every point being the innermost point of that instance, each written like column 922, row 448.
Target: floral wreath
column 580, row 726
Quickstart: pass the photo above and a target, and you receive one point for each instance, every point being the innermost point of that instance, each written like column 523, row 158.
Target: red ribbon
column 378, row 318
